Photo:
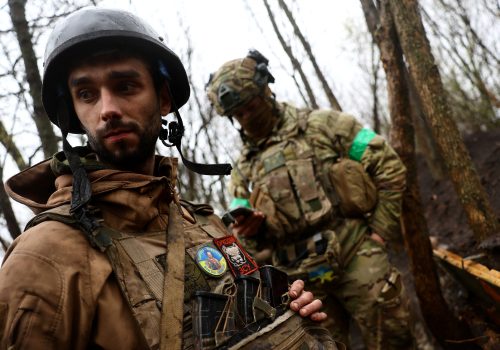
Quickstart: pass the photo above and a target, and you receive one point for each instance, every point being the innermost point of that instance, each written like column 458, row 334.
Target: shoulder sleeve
column 335, row 134
column 45, row 293
column 389, row 175
column 331, row 133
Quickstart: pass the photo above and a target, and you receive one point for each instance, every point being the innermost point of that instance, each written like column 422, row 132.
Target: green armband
column 361, row 141
column 240, row 202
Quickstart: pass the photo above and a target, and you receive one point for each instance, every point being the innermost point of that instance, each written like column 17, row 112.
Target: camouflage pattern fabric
column 360, row 278
column 238, row 80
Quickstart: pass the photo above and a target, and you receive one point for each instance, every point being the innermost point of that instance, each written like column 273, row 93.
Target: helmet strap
column 171, row 135
column 82, row 190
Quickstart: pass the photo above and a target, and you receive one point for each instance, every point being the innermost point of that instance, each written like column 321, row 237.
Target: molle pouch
column 290, row 194
column 274, row 284
column 282, row 194
column 209, row 309
column 247, row 288
column 314, row 203
column 356, row 192
column 275, row 220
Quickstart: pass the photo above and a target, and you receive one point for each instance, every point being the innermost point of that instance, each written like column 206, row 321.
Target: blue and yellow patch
column 211, row 261
column 322, row 273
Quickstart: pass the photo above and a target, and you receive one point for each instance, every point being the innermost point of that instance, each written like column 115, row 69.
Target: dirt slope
column 445, row 217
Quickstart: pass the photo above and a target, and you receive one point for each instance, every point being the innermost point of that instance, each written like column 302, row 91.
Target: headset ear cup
column 262, row 75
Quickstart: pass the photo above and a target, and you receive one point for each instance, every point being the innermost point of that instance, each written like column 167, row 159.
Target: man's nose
column 110, row 107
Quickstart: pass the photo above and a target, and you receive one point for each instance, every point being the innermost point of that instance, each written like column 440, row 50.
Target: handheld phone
column 229, row 217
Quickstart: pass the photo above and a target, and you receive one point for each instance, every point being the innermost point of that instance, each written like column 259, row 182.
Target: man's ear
column 165, row 100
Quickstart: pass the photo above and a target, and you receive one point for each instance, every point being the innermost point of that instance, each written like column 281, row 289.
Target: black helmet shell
column 91, row 29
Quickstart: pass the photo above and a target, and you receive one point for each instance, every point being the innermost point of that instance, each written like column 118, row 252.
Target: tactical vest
column 299, row 194
column 215, row 313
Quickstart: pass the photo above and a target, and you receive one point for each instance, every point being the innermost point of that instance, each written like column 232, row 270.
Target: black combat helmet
column 92, row 29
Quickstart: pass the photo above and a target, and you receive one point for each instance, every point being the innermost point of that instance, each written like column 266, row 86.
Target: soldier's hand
column 304, row 303
column 248, row 226
column 376, row 237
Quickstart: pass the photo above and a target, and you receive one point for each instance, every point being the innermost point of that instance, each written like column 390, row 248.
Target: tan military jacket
column 321, row 137
column 56, row 291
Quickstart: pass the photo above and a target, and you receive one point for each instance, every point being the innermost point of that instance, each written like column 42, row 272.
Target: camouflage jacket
column 324, row 137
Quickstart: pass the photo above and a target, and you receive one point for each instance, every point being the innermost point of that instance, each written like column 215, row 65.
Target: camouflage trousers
column 366, row 288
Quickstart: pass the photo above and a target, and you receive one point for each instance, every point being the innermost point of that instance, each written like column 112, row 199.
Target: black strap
column 206, row 169
column 174, row 135
column 82, row 189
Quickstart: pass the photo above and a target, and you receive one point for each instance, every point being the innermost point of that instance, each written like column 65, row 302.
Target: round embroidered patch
column 211, row 261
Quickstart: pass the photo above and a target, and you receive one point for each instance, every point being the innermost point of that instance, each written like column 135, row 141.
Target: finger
column 296, row 289
column 318, row 316
column 304, row 299
column 311, row 308
column 377, row 237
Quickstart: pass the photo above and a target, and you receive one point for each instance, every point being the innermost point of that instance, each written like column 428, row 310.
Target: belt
column 291, row 254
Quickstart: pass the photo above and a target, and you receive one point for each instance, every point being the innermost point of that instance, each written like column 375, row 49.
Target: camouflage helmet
column 236, row 82
column 90, row 30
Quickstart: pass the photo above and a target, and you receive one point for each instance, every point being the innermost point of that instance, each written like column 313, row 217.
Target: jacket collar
column 128, row 201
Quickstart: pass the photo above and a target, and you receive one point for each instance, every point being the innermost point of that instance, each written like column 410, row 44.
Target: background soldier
column 92, row 268
column 327, row 195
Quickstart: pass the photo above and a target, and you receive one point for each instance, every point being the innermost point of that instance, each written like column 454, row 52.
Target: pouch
column 354, row 188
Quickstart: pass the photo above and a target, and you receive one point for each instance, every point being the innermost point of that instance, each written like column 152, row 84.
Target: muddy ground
column 445, row 216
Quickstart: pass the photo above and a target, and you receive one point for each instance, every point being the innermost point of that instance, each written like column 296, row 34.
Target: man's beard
column 261, row 122
column 126, row 157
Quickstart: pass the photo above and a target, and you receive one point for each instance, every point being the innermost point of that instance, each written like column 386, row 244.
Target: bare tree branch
column 329, row 93
column 295, row 63
column 24, row 37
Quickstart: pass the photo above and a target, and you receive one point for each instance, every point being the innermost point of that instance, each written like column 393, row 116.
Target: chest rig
column 139, row 260
column 288, row 183
column 221, row 308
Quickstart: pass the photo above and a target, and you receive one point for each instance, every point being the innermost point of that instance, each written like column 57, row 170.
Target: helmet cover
column 236, row 82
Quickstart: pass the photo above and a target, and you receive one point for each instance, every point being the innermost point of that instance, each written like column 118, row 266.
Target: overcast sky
column 221, row 30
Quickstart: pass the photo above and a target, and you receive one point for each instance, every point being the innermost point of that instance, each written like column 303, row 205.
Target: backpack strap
column 172, row 312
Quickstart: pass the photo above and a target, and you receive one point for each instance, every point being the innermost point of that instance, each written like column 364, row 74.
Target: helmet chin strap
column 82, row 189
column 171, row 135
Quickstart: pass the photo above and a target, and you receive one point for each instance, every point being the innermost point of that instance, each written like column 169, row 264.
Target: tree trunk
column 24, row 37
column 425, row 143
column 415, row 233
column 295, row 63
column 426, row 76
column 8, row 213
column 334, row 103
column 377, row 125
column 11, row 148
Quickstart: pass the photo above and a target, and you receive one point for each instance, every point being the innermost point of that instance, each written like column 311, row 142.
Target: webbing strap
column 172, row 311
column 149, row 271
column 361, row 141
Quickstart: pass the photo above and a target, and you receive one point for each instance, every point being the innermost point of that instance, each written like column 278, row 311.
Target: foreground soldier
column 327, row 195
column 112, row 260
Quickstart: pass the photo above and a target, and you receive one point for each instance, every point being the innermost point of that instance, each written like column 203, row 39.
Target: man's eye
column 127, row 86
column 85, row 95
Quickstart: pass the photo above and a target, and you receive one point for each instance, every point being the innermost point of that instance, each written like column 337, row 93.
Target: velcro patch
column 237, row 258
column 211, row 261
